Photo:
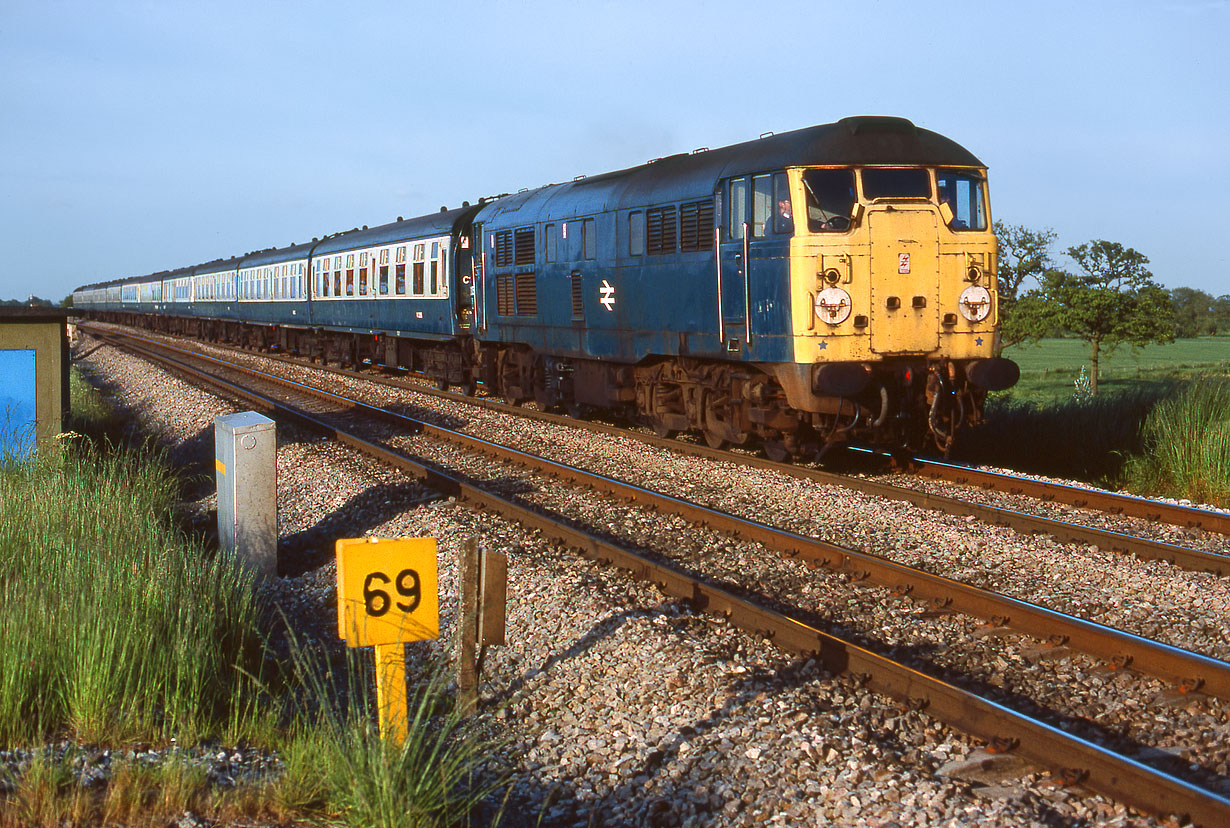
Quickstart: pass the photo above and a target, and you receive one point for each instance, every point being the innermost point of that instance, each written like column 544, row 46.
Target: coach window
column 589, row 239
column 762, row 199
column 362, row 274
column 416, row 287
column 435, row 265
column 737, row 203
column 401, row 279
column 830, row 199
column 636, row 233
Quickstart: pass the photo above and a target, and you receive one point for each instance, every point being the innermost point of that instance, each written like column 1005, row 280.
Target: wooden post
column 494, row 597
column 467, row 626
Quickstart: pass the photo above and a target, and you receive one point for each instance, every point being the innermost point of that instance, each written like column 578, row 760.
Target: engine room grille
column 527, row 295
column 504, row 305
column 504, row 248
column 524, row 244
column 660, row 230
column 695, row 225
column 578, row 297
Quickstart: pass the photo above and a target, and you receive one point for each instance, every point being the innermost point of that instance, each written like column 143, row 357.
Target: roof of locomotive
column 853, row 141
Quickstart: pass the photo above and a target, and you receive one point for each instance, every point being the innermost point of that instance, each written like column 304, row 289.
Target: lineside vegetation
column 122, row 637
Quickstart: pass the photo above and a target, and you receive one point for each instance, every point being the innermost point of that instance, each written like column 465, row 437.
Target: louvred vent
column 525, row 246
column 504, row 248
column 660, row 230
column 695, row 225
column 504, row 296
column 527, row 295
column 578, row 298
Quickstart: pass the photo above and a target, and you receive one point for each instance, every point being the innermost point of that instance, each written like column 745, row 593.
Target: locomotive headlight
column 974, row 274
column 832, row 275
column 833, row 305
column 975, row 303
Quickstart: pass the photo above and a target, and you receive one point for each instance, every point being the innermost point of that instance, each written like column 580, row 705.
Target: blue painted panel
column 17, row 402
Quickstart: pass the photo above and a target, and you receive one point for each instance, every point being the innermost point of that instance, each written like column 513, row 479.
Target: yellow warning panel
column 387, row 591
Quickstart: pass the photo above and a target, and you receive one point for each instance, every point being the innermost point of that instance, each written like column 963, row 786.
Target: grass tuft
column 1186, row 451
column 113, row 625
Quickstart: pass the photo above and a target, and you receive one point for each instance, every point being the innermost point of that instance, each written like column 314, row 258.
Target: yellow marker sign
column 386, row 591
column 386, row 595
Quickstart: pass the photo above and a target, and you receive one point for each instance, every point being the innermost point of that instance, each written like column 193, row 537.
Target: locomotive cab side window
column 737, row 208
column 783, row 212
column 830, row 199
column 962, row 192
column 762, row 198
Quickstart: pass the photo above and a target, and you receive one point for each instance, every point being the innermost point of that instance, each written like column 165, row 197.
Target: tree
column 1113, row 301
column 1023, row 254
column 1221, row 314
column 1194, row 312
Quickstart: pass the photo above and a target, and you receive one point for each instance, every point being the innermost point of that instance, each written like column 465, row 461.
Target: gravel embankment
column 641, row 711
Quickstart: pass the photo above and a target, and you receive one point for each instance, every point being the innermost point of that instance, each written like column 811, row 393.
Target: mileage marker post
column 387, row 596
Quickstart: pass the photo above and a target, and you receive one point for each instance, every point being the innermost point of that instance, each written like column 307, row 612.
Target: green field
column 1050, row 367
column 1160, row 423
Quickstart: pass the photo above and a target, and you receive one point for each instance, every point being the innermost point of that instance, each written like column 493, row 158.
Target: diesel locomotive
column 831, row 284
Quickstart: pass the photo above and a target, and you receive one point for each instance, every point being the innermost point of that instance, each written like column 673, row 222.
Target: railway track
column 1118, row 776
column 1021, row 521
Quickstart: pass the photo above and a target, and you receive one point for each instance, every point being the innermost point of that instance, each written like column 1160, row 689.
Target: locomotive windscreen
column 894, row 183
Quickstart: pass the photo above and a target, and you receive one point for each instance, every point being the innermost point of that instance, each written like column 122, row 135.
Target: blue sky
column 139, row 136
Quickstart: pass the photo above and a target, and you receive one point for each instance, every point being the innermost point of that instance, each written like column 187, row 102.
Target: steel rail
column 1069, row 757
column 1110, row 502
column 1187, row 670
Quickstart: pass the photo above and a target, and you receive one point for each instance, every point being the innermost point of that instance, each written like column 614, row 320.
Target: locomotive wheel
column 714, row 440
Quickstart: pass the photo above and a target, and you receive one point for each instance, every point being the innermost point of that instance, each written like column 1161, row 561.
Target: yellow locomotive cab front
column 893, row 285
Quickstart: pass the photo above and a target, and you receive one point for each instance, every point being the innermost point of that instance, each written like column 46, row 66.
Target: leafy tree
column 1023, row 254
column 1194, row 312
column 1221, row 314
column 1112, row 301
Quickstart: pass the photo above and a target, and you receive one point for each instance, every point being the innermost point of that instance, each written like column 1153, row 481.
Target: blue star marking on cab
column 823, row 345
